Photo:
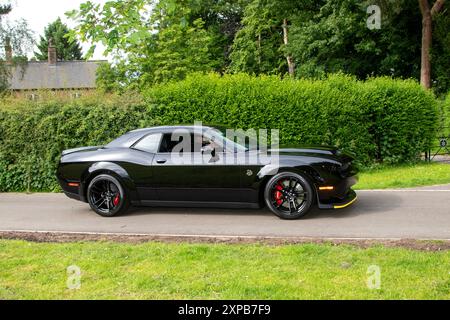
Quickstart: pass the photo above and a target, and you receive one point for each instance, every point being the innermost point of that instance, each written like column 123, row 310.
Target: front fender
column 111, row 168
column 273, row 169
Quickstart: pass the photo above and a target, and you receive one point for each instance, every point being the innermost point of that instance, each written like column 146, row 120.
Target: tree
column 17, row 36
column 427, row 34
column 328, row 36
column 157, row 41
column 222, row 20
column 66, row 49
column 263, row 44
column 336, row 39
column 256, row 45
column 440, row 53
column 5, row 9
column 110, row 78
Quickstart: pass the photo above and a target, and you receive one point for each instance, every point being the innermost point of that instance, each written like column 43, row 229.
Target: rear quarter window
column 125, row 141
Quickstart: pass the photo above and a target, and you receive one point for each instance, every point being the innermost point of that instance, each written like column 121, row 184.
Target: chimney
column 8, row 51
column 51, row 53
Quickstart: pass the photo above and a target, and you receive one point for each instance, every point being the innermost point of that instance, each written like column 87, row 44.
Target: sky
column 39, row 13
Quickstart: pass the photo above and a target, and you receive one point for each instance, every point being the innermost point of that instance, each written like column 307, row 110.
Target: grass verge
column 155, row 270
column 404, row 176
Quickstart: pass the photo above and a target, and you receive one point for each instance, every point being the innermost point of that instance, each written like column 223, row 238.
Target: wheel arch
column 306, row 171
column 109, row 168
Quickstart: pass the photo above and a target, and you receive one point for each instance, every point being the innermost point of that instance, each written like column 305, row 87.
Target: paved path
column 421, row 213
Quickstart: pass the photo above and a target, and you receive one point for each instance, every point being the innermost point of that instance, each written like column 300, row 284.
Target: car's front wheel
column 106, row 196
column 289, row 195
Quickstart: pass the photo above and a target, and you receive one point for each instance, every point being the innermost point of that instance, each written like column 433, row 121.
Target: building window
column 33, row 97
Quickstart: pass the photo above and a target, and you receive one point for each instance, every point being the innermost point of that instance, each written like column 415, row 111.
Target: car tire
column 107, row 197
column 289, row 195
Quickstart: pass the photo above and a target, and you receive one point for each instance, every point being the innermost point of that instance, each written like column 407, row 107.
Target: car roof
column 163, row 129
column 131, row 137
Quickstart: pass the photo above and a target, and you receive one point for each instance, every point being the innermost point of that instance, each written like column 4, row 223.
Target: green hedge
column 378, row 120
column 447, row 114
column 32, row 136
column 443, row 122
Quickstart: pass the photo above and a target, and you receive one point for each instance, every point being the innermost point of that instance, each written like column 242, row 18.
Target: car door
column 199, row 177
column 250, row 165
column 142, row 170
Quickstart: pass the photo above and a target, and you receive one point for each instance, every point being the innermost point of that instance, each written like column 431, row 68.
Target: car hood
column 315, row 151
column 332, row 151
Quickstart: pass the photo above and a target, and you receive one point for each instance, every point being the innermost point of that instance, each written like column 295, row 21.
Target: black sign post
column 443, row 146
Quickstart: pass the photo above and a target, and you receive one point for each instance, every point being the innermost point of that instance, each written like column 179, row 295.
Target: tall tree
column 5, row 9
column 66, row 49
column 157, row 41
column 263, row 44
column 428, row 13
column 16, row 39
column 336, row 39
column 327, row 36
column 440, row 53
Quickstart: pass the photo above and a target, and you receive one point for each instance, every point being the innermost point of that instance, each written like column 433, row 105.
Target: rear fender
column 112, row 169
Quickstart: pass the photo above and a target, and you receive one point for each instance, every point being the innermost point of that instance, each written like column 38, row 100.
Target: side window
column 167, row 144
column 150, row 143
column 198, row 143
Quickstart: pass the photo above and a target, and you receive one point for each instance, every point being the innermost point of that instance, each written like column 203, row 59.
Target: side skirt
column 196, row 204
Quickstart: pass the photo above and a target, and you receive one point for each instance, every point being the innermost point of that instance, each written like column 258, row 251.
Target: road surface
column 421, row 213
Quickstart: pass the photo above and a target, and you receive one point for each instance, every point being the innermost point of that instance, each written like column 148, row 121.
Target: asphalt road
column 422, row 213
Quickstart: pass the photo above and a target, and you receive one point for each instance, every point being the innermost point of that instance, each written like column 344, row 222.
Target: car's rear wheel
column 106, row 196
column 289, row 195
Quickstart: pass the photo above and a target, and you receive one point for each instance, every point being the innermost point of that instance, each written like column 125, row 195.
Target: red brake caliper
column 116, row 200
column 278, row 195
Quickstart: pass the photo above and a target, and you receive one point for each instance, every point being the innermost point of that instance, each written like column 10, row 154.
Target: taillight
column 73, row 184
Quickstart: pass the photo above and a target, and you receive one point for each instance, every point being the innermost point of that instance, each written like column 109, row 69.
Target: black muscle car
column 204, row 168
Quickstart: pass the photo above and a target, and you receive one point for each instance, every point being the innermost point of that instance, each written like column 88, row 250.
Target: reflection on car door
column 195, row 180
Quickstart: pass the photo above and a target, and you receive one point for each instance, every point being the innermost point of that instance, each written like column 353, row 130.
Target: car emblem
column 249, row 173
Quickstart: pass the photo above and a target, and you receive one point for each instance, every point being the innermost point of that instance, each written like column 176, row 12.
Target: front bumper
column 340, row 196
column 348, row 200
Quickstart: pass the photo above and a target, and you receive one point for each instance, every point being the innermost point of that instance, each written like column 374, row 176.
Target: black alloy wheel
column 106, row 196
column 289, row 195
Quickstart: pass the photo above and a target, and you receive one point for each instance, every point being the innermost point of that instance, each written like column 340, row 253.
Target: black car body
column 142, row 173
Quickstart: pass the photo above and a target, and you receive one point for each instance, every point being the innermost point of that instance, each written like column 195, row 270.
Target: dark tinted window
column 197, row 142
column 150, row 143
column 167, row 144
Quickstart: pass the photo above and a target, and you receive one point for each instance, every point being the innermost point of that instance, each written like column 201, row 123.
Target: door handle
column 161, row 161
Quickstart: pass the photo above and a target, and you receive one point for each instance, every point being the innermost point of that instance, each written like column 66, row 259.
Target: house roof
column 62, row 75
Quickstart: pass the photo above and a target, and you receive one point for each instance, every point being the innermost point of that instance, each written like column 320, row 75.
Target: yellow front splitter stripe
column 345, row 205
